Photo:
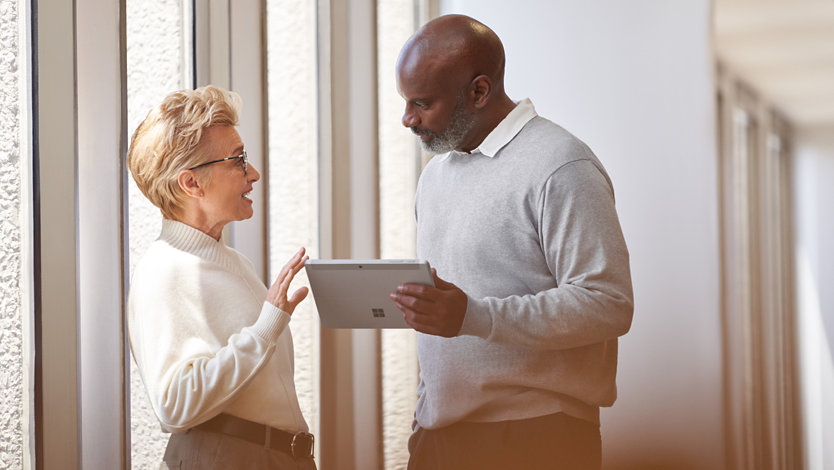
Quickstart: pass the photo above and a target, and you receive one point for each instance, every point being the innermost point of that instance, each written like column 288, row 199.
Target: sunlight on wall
column 12, row 369
column 813, row 165
column 292, row 177
column 817, row 369
column 399, row 165
column 154, row 69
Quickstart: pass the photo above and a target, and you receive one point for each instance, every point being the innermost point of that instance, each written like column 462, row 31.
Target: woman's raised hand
column 277, row 294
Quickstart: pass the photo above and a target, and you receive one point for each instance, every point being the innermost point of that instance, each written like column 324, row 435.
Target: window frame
column 762, row 407
column 81, row 411
column 78, row 245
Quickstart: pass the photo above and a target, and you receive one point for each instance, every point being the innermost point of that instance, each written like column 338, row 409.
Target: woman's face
column 225, row 196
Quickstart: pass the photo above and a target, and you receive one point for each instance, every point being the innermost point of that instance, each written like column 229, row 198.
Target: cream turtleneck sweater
column 203, row 337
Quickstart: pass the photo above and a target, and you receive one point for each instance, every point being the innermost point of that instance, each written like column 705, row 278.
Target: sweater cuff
column 271, row 322
column 477, row 321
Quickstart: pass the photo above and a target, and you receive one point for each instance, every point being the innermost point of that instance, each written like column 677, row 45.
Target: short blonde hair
column 168, row 141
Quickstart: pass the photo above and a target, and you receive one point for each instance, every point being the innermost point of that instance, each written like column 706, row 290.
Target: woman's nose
column 252, row 173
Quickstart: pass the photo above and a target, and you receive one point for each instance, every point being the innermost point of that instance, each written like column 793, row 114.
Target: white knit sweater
column 203, row 337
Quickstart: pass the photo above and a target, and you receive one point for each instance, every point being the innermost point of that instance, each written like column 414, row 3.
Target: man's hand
column 435, row 310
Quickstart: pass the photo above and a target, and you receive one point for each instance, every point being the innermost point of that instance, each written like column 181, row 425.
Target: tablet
column 354, row 293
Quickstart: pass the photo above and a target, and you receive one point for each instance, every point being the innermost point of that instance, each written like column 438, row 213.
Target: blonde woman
column 211, row 341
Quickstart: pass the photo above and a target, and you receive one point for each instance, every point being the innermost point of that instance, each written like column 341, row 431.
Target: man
column 518, row 340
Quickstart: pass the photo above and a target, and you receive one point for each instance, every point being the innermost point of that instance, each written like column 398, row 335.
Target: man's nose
column 410, row 118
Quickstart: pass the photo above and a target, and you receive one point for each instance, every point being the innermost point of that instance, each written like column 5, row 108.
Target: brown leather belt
column 298, row 445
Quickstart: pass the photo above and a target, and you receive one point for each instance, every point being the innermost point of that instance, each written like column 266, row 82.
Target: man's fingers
column 417, row 320
column 419, row 291
column 414, row 303
column 419, row 304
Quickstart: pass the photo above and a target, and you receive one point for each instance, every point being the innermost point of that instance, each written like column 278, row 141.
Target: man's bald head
column 455, row 46
column 451, row 75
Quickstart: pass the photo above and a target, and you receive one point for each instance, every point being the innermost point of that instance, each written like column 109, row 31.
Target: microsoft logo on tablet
column 378, row 312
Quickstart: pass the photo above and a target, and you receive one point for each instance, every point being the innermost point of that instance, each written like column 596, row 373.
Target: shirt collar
column 508, row 128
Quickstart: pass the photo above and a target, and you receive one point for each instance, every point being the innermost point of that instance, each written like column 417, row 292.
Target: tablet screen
column 354, row 293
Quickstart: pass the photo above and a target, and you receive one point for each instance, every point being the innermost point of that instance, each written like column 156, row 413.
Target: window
column 757, row 289
column 175, row 44
column 292, row 172
column 159, row 58
column 399, row 167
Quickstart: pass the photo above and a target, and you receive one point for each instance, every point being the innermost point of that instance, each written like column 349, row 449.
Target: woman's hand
column 277, row 294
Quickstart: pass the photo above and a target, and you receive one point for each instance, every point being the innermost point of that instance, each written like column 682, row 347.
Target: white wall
column 814, row 227
column 634, row 81
column 13, row 306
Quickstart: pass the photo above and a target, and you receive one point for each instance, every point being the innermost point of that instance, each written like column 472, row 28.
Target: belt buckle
column 302, row 444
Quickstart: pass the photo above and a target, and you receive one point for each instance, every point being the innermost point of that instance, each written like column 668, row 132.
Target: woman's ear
column 190, row 183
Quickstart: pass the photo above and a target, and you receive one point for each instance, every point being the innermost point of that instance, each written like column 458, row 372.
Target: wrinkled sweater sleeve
column 191, row 362
column 193, row 387
column 585, row 251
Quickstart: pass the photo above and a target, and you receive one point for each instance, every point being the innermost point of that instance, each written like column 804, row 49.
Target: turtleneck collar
column 191, row 240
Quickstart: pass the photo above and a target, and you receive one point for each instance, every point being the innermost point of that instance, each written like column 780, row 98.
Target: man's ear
column 189, row 183
column 481, row 87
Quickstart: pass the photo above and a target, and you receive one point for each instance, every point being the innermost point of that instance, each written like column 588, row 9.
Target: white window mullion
column 56, row 253
column 400, row 163
column 291, row 172
column 160, row 59
column 101, row 133
column 211, row 45
column 246, row 69
column 363, row 128
column 351, row 408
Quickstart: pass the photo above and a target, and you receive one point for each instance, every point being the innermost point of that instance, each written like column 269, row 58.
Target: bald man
column 518, row 340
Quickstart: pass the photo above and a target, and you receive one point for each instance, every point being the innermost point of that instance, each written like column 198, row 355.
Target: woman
column 211, row 342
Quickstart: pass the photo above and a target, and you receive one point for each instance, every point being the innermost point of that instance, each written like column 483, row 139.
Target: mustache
column 421, row 131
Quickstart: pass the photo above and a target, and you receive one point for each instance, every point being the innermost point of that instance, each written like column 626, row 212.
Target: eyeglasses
column 243, row 158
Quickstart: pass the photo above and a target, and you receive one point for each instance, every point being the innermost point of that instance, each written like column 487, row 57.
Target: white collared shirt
column 507, row 128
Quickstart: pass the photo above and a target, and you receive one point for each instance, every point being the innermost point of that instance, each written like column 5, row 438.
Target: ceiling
column 784, row 50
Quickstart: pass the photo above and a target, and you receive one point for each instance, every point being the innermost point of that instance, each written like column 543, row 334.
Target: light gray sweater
column 532, row 236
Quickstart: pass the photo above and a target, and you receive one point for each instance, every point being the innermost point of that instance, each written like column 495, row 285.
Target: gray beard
column 451, row 137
